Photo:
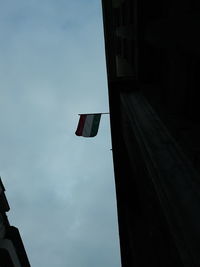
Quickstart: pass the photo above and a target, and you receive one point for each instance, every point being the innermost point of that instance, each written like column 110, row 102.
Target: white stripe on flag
column 88, row 125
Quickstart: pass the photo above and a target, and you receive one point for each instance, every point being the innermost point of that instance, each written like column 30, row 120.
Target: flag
column 88, row 125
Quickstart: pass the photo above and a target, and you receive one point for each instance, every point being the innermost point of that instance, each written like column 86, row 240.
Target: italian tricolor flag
column 88, row 125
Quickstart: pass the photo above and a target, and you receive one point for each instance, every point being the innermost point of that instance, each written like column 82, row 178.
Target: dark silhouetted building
column 153, row 62
column 12, row 252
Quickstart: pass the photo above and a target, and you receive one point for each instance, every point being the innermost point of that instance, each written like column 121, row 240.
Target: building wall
column 12, row 252
column 152, row 55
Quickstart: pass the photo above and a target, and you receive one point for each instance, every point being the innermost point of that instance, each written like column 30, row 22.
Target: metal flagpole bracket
column 94, row 113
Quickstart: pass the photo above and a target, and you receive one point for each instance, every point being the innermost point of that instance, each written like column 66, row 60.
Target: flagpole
column 94, row 113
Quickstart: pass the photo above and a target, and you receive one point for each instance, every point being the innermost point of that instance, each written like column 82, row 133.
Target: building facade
column 153, row 60
column 12, row 251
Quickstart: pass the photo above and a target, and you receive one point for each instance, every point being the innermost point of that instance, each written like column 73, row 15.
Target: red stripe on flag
column 81, row 125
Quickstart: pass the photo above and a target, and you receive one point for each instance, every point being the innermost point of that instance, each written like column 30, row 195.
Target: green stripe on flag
column 95, row 125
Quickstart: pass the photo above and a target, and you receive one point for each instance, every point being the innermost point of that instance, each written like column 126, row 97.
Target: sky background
column 60, row 187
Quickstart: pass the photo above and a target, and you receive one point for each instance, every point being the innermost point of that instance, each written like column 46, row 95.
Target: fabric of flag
column 88, row 125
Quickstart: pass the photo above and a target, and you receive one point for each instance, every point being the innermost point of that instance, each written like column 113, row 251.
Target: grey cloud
column 60, row 187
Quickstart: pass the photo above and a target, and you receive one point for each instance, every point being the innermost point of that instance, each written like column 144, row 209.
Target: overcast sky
column 60, row 187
